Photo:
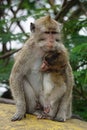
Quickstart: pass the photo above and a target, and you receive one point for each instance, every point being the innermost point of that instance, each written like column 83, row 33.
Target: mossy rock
column 32, row 123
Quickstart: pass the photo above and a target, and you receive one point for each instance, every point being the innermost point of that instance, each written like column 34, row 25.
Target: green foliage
column 79, row 55
column 77, row 45
column 5, row 70
column 80, row 108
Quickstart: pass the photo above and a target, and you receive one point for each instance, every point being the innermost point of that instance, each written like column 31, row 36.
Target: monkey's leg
column 63, row 109
column 20, row 104
column 69, row 110
column 30, row 97
column 26, row 101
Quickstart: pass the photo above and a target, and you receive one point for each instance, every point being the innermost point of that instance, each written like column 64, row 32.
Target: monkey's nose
column 50, row 44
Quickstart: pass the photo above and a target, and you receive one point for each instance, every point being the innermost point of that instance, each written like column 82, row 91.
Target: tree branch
column 82, row 7
column 18, row 22
column 7, row 101
column 8, row 54
column 65, row 9
column 52, row 4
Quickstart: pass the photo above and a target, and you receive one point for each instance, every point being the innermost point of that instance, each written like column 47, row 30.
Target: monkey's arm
column 16, row 82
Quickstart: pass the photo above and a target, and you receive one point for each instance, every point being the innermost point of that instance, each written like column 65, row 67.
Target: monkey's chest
column 35, row 76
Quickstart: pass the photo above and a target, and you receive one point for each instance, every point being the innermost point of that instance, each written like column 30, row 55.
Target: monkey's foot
column 61, row 116
column 59, row 119
column 40, row 114
column 43, row 116
column 18, row 117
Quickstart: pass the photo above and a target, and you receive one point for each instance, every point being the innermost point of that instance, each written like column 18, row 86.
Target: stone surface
column 32, row 123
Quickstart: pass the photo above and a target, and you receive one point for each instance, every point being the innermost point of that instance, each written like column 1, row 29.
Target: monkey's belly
column 35, row 79
column 52, row 94
column 32, row 90
column 47, row 83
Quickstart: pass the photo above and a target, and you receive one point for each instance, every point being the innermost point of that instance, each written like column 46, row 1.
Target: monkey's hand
column 18, row 116
column 44, row 66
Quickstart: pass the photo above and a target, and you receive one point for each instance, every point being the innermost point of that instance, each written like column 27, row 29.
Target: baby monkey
column 56, row 95
column 53, row 62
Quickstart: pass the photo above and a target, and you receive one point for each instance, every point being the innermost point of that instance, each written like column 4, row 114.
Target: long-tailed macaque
column 56, row 96
column 30, row 83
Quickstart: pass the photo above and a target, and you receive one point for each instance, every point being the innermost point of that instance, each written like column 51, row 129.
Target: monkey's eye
column 54, row 32
column 51, row 32
column 47, row 32
column 41, row 39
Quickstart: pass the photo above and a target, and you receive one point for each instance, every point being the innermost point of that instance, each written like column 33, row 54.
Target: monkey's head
column 46, row 32
column 51, row 57
column 44, row 23
column 54, row 61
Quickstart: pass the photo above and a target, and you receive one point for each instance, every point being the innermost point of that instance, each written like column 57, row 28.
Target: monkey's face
column 46, row 33
column 51, row 57
column 54, row 60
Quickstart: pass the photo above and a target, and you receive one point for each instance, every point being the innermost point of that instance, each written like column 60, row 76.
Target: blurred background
column 15, row 19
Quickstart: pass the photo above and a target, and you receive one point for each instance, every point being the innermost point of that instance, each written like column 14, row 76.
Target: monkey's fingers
column 18, row 117
column 47, row 109
column 44, row 67
column 42, row 116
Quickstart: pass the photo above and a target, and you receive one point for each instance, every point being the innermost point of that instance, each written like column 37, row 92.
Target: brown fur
column 27, row 80
column 60, row 73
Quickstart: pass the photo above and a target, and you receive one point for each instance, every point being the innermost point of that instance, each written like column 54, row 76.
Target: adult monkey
column 26, row 79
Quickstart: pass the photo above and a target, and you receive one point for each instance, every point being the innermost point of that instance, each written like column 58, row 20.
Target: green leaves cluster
column 5, row 70
column 77, row 45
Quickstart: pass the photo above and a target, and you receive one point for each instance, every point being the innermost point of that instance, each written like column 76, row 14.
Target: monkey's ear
column 32, row 27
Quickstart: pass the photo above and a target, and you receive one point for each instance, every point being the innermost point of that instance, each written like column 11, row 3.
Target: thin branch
column 7, row 101
column 8, row 54
column 83, row 8
column 52, row 3
column 65, row 9
column 75, row 14
column 64, row 3
column 20, row 4
column 18, row 23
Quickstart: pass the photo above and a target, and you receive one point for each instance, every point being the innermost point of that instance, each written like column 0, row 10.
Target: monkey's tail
column 74, row 116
